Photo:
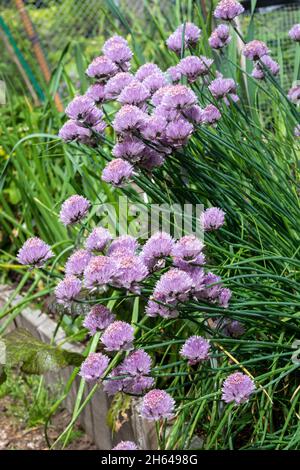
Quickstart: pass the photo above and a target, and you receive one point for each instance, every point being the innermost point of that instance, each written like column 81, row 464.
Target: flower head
column 67, row 290
column 77, row 262
column 98, row 239
column 114, row 383
column 175, row 285
column 210, row 115
column 188, row 248
column 94, row 366
column 117, row 172
column 102, row 68
column 123, row 245
column 193, row 67
column 130, row 148
column 294, row 94
column 157, row 404
column 237, row 388
column 146, row 70
column 156, row 249
column 221, row 87
column 135, row 94
column 255, row 50
column 220, row 37
column 224, row 297
column 186, row 35
column 98, row 319
column 116, row 84
column 80, row 108
column 99, row 272
column 195, row 349
column 175, row 73
column 125, row 445
column 71, row 130
column 118, row 52
column 155, row 81
column 270, row 64
column 130, row 271
column 34, row 252
column 178, row 132
column 294, row 32
column 74, row 209
column 118, row 335
column 178, row 97
column 212, row 218
column 129, row 118
column 138, row 362
column 227, row 10
column 96, row 92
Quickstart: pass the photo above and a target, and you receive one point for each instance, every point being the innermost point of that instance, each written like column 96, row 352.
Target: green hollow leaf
column 35, row 357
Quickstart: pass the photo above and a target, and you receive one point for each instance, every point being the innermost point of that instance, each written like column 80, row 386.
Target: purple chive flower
column 294, row 94
column 178, row 97
column 118, row 335
column 220, row 37
column 175, row 73
column 297, row 131
column 156, row 308
column 227, row 10
column 224, row 297
column 294, row 32
column 67, row 290
column 134, row 94
column 178, row 132
column 175, row 285
column 195, row 349
column 99, row 272
column 116, row 84
column 98, row 319
column 270, row 64
column 187, row 248
column 146, row 70
column 125, row 245
column 96, row 92
column 154, row 127
column 98, row 239
column 119, row 53
column 156, row 249
column 157, row 404
column 79, row 108
column 94, row 366
column 235, row 328
column 210, row 115
column 130, row 271
column 113, row 384
column 34, row 252
column 77, row 262
column 138, row 362
column 155, row 81
column 125, row 445
column 237, row 388
column 194, row 114
column 113, row 40
column 74, row 209
column 117, row 172
column 212, row 218
column 213, row 286
column 157, row 98
column 102, row 68
column 255, row 50
column 137, row 385
column 221, row 87
column 151, row 159
column 128, row 119
column 193, row 67
column 72, row 131
column 191, row 36
column 130, row 148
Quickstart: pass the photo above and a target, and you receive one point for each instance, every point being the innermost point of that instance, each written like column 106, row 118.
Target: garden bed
column 93, row 419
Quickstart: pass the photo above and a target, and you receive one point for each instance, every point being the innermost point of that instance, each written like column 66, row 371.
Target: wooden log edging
column 93, row 418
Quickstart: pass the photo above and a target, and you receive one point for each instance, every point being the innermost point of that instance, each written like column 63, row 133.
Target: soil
column 15, row 436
